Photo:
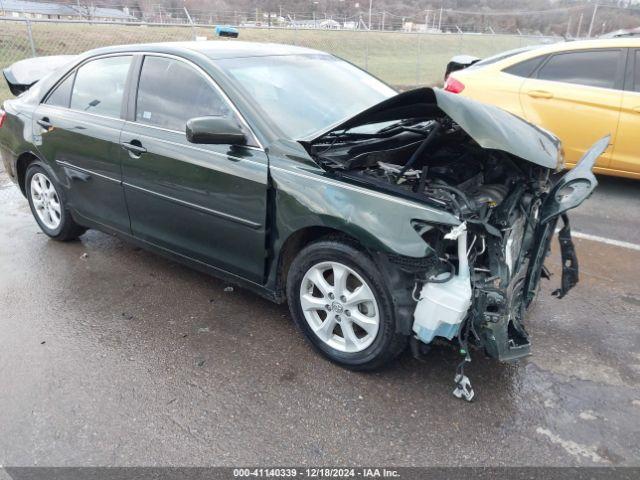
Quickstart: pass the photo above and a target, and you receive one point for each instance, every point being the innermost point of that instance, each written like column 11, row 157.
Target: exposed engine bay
column 496, row 195
column 482, row 274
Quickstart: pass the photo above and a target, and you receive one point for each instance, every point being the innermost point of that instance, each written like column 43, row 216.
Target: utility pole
column 579, row 25
column 440, row 20
column 426, row 21
column 593, row 19
column 383, row 15
column 566, row 35
column 370, row 9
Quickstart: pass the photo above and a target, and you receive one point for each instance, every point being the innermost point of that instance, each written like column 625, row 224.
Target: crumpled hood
column 491, row 127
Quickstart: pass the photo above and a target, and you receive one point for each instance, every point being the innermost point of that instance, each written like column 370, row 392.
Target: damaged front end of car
column 495, row 173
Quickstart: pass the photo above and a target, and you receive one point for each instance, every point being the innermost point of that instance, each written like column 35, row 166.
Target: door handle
column 540, row 94
column 134, row 147
column 636, row 109
column 45, row 123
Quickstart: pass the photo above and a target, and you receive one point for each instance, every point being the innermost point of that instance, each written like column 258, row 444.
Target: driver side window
column 170, row 92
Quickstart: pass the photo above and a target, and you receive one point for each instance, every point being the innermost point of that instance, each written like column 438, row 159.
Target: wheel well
column 295, row 243
column 22, row 163
column 399, row 282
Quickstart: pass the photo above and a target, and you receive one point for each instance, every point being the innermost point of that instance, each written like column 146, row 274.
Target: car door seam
column 84, row 170
column 226, row 216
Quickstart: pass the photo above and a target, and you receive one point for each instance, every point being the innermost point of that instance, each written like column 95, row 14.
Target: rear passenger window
column 171, row 92
column 99, row 86
column 593, row 68
column 61, row 96
column 524, row 68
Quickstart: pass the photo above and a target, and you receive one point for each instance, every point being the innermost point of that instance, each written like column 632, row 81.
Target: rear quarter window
column 61, row 95
column 524, row 68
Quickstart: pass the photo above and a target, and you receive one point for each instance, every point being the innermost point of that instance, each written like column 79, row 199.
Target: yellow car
column 580, row 91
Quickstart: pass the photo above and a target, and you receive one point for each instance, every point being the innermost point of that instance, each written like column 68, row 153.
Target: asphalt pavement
column 110, row 355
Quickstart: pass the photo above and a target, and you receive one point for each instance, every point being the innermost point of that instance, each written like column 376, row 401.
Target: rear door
column 577, row 96
column 626, row 153
column 205, row 202
column 78, row 130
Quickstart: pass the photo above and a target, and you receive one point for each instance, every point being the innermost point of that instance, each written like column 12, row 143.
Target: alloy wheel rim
column 340, row 307
column 46, row 201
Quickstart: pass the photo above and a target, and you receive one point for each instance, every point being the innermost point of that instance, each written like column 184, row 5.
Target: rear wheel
column 48, row 205
column 339, row 300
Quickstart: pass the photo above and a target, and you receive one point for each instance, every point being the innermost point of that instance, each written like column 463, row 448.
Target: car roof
column 628, row 42
column 594, row 43
column 214, row 49
column 569, row 46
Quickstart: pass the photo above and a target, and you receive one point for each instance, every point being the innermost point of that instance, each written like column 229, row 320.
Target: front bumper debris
column 570, row 272
column 497, row 314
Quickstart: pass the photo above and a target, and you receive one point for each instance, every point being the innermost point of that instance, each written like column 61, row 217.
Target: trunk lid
column 21, row 75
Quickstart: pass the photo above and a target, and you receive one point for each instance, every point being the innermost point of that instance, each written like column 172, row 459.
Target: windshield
column 303, row 94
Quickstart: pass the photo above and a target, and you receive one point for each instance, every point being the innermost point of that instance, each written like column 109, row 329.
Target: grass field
column 398, row 58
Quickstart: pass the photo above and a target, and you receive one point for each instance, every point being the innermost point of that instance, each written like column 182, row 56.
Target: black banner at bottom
column 392, row 473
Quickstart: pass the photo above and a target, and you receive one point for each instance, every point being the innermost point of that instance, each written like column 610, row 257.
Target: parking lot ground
column 110, row 355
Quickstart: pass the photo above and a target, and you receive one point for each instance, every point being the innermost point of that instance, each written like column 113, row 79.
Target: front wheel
column 48, row 206
column 338, row 298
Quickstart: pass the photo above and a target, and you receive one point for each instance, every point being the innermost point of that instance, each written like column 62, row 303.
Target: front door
column 576, row 96
column 626, row 153
column 78, row 130
column 204, row 202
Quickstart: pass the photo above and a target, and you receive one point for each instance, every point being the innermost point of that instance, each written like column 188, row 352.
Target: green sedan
column 383, row 219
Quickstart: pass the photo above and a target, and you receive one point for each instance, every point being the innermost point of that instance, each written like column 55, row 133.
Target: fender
column 380, row 221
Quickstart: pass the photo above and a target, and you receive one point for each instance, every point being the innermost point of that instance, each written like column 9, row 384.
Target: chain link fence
column 401, row 59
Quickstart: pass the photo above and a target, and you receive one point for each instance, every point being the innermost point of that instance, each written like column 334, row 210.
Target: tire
column 330, row 316
column 48, row 205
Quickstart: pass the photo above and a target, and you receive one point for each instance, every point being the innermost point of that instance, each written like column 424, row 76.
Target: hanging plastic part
column 444, row 300
column 463, row 389
column 570, row 276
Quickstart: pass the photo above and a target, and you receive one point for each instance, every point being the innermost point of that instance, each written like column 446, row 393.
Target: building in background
column 56, row 11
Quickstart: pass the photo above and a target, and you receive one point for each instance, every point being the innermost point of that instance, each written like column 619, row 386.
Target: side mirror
column 215, row 131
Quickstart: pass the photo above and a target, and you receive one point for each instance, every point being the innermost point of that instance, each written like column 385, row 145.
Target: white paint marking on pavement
column 572, row 447
column 608, row 241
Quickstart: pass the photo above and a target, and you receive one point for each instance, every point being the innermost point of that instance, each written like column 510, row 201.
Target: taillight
column 3, row 115
column 452, row 85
